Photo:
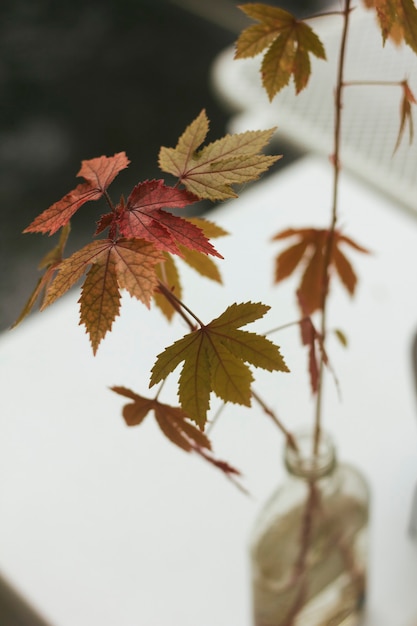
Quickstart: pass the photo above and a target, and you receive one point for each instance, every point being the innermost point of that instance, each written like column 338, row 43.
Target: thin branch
column 334, row 215
column 373, row 83
column 291, row 441
column 109, row 201
column 284, row 326
column 179, row 306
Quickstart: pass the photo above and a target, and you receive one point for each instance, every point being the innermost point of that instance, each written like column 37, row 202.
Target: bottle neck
column 305, row 462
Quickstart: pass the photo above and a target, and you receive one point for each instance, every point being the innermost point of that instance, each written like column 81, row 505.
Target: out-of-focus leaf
column 288, row 42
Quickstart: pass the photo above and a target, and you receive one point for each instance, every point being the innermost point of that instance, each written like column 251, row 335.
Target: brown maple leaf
column 49, row 263
column 288, row 43
column 175, row 425
column 397, row 20
column 407, row 101
column 310, row 251
column 98, row 174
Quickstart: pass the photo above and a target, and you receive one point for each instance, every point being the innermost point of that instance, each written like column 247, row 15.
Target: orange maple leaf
column 311, row 251
column 407, row 102
column 123, row 264
column 98, row 174
column 397, row 20
column 288, row 43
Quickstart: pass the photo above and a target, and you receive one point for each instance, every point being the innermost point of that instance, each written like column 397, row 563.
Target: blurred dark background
column 81, row 79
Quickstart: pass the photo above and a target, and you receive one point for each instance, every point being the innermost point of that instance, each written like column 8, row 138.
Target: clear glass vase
column 309, row 545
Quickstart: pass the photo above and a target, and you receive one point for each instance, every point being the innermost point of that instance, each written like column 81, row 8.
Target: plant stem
column 109, row 201
column 288, row 436
column 179, row 306
column 334, row 212
column 373, row 83
column 284, row 326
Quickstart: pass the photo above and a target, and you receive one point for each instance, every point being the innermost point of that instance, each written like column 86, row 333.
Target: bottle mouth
column 307, row 463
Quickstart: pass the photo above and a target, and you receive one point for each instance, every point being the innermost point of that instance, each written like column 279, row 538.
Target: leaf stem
column 109, row 201
column 373, row 83
column 324, row 14
column 179, row 306
column 290, row 439
column 284, row 326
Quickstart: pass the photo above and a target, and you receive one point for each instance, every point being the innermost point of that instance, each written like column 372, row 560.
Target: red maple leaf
column 143, row 217
column 98, row 173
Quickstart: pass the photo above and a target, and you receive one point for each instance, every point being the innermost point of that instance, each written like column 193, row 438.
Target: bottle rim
column 304, row 463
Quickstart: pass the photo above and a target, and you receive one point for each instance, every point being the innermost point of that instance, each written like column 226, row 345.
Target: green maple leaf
column 288, row 43
column 211, row 171
column 215, row 359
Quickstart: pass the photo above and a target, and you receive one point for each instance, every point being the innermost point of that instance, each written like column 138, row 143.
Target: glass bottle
column 309, row 545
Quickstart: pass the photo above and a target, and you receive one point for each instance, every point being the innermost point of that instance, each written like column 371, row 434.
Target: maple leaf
column 310, row 251
column 175, row 425
column 311, row 337
column 198, row 261
column 143, row 217
column 123, row 264
column 49, row 262
column 204, row 265
column 407, row 101
column 397, row 20
column 317, row 355
column 211, row 171
column 288, row 43
column 167, row 273
column 215, row 357
column 98, row 174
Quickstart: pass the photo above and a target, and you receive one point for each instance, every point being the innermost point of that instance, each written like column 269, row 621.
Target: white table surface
column 111, row 526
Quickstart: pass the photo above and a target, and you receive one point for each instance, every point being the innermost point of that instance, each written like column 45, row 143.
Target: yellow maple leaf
column 288, row 43
column 211, row 171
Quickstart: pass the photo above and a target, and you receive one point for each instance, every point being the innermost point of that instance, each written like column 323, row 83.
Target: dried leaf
column 122, row 264
column 308, row 338
column 175, row 425
column 215, row 358
column 407, row 101
column 341, row 337
column 311, row 338
column 310, row 251
column 49, row 262
column 201, row 263
column 98, row 173
column 397, row 20
column 167, row 273
column 211, row 171
column 288, row 43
